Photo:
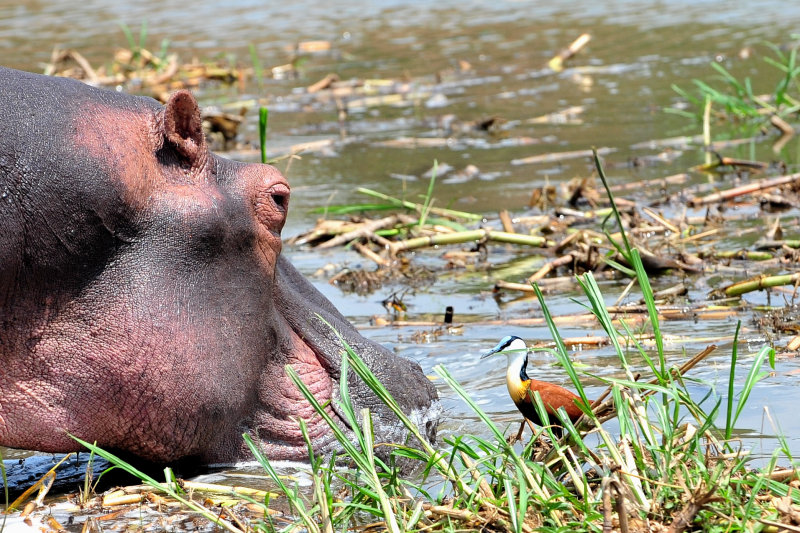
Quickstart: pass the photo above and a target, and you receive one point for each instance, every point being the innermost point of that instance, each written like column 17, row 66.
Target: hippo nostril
column 279, row 194
column 280, row 199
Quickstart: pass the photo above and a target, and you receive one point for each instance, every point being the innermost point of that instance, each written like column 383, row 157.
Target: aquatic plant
column 138, row 49
column 736, row 99
column 263, row 117
column 258, row 69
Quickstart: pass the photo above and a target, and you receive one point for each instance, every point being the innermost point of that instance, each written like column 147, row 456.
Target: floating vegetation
column 562, row 236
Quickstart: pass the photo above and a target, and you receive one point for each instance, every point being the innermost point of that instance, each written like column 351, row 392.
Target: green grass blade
column 258, row 69
column 652, row 311
column 754, row 376
column 126, row 30
column 143, row 35
column 294, row 501
column 641, row 275
column 350, row 448
column 386, row 506
column 426, row 205
column 263, row 118
column 731, row 381
column 561, row 348
column 417, row 207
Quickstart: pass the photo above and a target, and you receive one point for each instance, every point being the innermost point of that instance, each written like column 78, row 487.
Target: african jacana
column 519, row 383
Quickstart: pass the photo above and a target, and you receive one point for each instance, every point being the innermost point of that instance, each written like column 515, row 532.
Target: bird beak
column 490, row 352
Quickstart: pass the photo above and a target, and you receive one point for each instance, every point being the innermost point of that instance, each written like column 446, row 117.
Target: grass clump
column 667, row 464
column 736, row 100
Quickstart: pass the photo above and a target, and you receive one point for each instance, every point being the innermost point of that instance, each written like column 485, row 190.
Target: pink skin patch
column 275, row 423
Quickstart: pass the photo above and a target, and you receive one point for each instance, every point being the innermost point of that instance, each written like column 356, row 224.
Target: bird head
column 513, row 347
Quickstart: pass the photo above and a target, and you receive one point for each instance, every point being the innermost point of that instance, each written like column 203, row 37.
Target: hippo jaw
column 316, row 331
column 278, row 431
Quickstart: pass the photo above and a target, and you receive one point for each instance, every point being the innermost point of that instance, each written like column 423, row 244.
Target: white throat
column 516, row 353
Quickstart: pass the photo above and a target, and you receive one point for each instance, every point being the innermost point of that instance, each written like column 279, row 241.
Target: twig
column 365, row 229
column 560, row 156
column 610, row 485
column 483, row 485
column 779, row 526
column 784, row 475
column 794, row 344
column 750, row 188
column 564, row 116
column 544, row 284
column 731, row 162
column 652, row 184
column 505, row 219
column 557, row 62
column 467, row 236
column 552, row 265
column 697, row 501
column 758, row 283
column 745, row 255
column 324, row 83
column 782, row 125
column 369, row 254
column 661, row 220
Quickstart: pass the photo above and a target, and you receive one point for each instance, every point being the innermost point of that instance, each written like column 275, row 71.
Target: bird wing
column 554, row 397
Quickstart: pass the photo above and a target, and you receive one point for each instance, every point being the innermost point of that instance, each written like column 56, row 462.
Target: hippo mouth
column 311, row 345
column 318, row 365
column 277, row 426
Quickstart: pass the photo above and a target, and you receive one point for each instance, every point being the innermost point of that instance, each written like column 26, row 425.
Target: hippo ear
column 183, row 127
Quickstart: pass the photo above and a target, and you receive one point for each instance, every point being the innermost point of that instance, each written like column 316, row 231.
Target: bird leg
column 518, row 437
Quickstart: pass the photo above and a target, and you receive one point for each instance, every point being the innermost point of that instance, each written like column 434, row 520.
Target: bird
column 519, row 383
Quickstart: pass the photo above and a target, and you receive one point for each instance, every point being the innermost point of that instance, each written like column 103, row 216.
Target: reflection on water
column 622, row 80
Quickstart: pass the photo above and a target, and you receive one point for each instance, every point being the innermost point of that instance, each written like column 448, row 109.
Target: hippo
column 144, row 303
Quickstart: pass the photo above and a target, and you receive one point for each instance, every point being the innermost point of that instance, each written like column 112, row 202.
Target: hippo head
column 145, row 304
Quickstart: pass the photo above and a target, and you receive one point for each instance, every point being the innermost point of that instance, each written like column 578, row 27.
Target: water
column 622, row 79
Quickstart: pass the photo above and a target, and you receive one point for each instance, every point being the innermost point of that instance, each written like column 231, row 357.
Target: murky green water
column 622, row 79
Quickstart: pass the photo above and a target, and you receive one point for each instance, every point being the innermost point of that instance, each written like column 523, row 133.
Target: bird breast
column 517, row 389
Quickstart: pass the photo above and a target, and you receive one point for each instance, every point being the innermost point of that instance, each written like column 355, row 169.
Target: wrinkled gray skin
column 143, row 301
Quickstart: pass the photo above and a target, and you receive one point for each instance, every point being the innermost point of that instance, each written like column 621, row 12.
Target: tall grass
column 258, row 69
column 667, row 462
column 263, row 118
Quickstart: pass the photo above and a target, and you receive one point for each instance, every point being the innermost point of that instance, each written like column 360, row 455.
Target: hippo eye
column 271, row 206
